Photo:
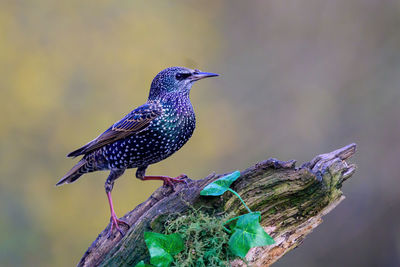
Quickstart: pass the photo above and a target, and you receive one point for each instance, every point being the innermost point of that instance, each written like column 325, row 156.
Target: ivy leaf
column 162, row 248
column 247, row 234
column 142, row 264
column 221, row 185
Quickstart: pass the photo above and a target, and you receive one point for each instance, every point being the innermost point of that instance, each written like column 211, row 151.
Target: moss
column 206, row 241
column 272, row 211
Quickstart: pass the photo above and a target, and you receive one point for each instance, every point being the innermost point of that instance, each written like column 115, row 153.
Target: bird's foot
column 168, row 181
column 171, row 181
column 115, row 224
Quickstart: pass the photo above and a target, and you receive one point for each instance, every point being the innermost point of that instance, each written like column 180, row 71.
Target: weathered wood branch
column 291, row 200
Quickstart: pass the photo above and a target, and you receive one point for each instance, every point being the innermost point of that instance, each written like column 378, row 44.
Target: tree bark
column 291, row 201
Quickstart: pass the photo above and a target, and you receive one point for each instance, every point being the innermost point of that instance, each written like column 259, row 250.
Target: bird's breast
column 175, row 128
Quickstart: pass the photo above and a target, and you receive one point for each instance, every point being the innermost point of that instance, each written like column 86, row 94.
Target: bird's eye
column 182, row 76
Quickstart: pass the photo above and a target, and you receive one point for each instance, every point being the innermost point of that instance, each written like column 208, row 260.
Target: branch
column 291, row 200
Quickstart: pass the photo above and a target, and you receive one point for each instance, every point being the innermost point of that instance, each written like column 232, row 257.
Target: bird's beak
column 198, row 75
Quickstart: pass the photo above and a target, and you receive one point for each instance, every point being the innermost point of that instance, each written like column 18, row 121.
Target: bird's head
column 176, row 79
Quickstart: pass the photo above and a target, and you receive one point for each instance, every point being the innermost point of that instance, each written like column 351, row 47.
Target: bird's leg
column 170, row 181
column 115, row 222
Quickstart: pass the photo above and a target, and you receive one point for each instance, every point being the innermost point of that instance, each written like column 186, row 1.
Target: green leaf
column 247, row 234
column 221, row 185
column 142, row 264
column 162, row 248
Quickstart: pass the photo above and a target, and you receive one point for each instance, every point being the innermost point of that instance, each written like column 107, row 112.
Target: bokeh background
column 298, row 78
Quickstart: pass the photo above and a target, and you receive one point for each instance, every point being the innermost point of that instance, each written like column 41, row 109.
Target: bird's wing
column 135, row 122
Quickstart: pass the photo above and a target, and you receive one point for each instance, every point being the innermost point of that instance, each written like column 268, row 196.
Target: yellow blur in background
column 298, row 78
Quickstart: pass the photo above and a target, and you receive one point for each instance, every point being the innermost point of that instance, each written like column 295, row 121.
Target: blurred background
column 298, row 78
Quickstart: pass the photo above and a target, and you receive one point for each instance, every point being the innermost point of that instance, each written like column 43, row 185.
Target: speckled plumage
column 147, row 135
column 164, row 136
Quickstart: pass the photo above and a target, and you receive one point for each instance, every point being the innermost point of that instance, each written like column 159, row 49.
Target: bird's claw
column 115, row 223
column 170, row 181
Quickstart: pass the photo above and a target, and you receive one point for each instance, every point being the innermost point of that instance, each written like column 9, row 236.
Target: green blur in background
column 298, row 78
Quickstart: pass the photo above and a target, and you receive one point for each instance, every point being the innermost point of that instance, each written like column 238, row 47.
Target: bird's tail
column 80, row 168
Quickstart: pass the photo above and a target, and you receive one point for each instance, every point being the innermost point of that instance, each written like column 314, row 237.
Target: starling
column 147, row 135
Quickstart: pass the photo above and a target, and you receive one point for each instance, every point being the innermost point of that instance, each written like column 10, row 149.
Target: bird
column 147, row 135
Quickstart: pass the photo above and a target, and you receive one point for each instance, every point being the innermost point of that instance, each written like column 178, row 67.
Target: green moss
column 206, row 241
column 272, row 211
